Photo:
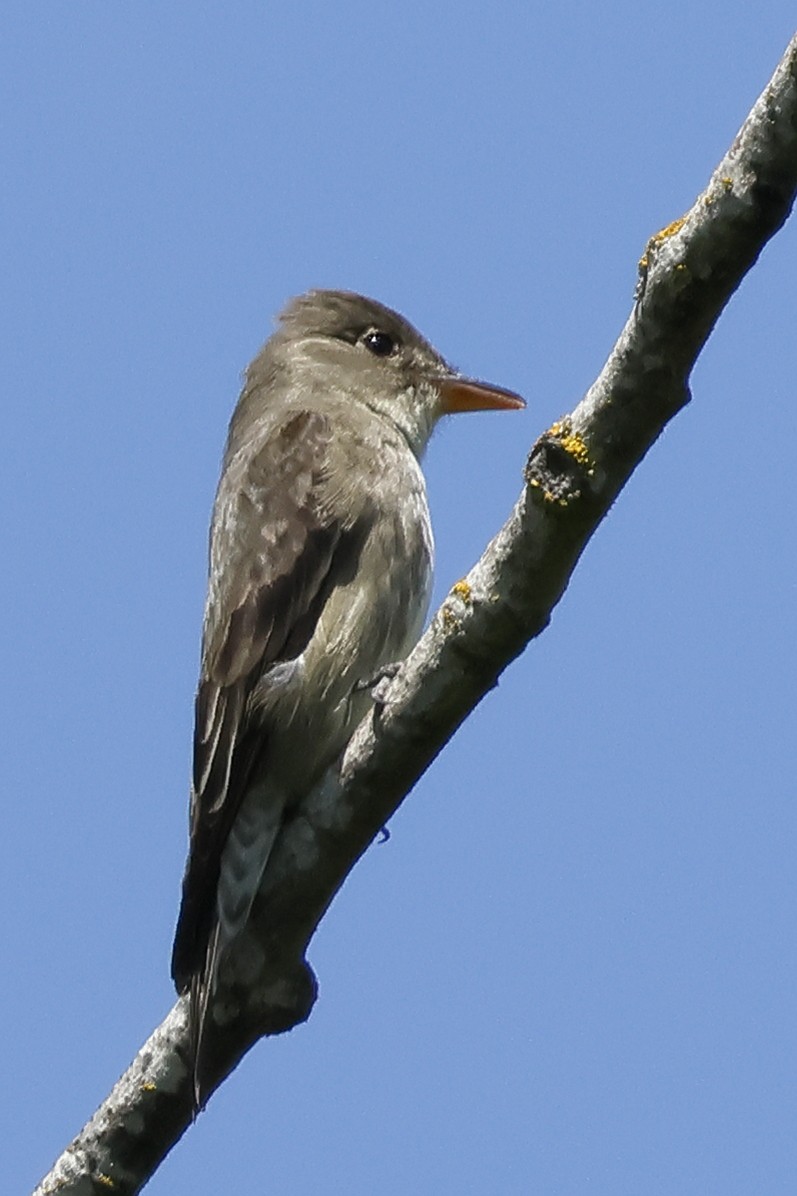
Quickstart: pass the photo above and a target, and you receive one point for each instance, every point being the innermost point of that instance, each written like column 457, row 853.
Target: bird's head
column 338, row 341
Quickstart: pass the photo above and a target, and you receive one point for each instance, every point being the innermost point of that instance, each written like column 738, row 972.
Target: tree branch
column 574, row 472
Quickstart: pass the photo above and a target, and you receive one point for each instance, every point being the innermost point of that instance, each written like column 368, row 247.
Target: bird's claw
column 379, row 684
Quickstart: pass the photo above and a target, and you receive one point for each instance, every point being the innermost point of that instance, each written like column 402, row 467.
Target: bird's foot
column 379, row 684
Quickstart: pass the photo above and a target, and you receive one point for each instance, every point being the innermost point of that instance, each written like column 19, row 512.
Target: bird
column 320, row 569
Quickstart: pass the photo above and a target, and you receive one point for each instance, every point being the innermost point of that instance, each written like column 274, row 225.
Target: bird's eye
column 379, row 343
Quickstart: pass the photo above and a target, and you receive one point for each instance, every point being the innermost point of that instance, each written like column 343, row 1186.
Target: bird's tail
column 200, row 994
column 243, row 863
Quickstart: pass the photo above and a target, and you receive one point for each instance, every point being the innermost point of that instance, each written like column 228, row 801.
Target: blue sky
column 573, row 968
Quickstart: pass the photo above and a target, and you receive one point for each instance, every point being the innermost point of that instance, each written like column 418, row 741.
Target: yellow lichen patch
column 105, row 1180
column 669, row 230
column 462, row 590
column 572, row 442
column 576, row 447
column 148, row 1086
column 536, row 484
column 725, row 184
column 659, row 238
column 450, row 620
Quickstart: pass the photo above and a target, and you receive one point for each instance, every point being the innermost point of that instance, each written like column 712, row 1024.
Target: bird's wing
column 280, row 542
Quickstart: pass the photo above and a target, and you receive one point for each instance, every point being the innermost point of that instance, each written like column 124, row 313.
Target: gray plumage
column 320, row 571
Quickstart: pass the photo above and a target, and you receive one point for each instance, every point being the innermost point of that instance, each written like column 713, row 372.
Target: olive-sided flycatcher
column 320, row 571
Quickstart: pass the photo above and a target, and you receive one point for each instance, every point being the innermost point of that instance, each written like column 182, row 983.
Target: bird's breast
column 375, row 618
column 371, row 619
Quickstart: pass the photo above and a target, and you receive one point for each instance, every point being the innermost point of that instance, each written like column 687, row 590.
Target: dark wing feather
column 276, row 551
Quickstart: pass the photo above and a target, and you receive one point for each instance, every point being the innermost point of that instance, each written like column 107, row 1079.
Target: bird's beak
column 463, row 394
